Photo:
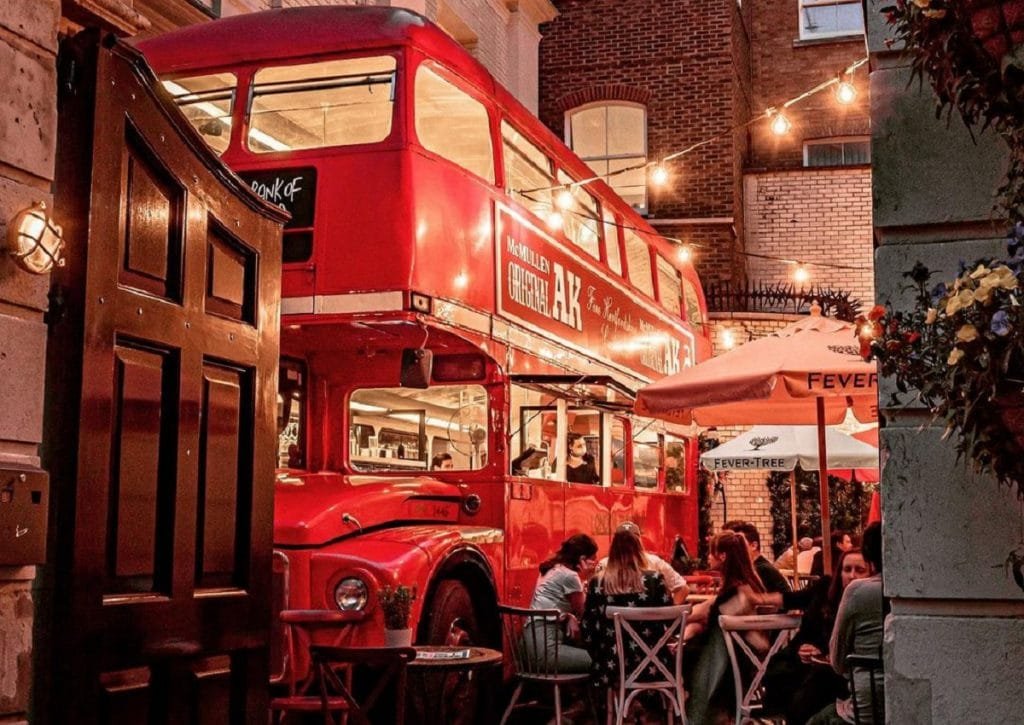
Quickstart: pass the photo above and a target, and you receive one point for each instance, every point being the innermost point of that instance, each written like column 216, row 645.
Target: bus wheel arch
column 463, row 586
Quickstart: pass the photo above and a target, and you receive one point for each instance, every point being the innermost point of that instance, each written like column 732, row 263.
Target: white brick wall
column 812, row 215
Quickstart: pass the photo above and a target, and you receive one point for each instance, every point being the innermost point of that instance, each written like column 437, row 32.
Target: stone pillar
column 28, row 117
column 954, row 643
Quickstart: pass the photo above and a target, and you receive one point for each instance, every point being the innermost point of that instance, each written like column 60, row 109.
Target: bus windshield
column 332, row 103
column 440, row 428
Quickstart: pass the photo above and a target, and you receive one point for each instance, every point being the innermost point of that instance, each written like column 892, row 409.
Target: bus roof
column 301, row 32
column 307, row 31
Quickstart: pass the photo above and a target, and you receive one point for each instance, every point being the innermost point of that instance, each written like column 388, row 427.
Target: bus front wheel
column 453, row 620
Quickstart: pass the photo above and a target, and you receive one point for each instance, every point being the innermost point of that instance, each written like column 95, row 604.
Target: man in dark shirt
column 771, row 578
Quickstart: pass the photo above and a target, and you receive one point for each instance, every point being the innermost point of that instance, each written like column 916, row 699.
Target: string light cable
column 841, row 80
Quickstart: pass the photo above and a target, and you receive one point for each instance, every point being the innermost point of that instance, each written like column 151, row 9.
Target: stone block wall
column 812, row 215
column 28, row 117
column 956, row 632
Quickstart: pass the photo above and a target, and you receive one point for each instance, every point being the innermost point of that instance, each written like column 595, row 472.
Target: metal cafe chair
column 531, row 637
column 300, row 626
column 650, row 674
column 873, row 665
column 389, row 667
column 735, row 630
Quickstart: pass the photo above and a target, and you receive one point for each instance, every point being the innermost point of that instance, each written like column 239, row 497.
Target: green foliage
column 705, row 495
column 848, row 506
column 961, row 348
column 396, row 603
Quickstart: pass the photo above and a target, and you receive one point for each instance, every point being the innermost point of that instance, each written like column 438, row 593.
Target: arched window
column 609, row 137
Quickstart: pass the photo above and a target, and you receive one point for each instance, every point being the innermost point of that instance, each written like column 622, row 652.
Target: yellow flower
column 983, row 294
column 1001, row 276
column 930, row 317
column 967, row 333
column 922, row 3
column 954, row 356
column 964, row 299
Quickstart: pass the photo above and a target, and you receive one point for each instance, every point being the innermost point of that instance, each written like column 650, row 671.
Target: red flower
column 877, row 313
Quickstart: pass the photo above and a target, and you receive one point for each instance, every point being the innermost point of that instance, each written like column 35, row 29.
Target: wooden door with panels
column 161, row 402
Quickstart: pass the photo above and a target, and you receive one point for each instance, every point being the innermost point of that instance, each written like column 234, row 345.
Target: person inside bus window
column 580, row 468
column 442, row 462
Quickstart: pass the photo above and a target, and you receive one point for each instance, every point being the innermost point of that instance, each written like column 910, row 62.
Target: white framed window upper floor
column 837, row 151
column 611, row 136
column 830, row 18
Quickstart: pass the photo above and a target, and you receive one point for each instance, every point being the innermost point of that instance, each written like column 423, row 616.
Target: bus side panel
column 364, row 227
column 453, row 254
column 534, row 530
column 588, row 511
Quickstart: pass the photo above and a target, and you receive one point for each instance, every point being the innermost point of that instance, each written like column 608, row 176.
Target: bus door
column 587, row 500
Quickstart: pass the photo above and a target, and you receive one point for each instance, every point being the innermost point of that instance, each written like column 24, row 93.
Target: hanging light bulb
column 846, row 92
column 555, row 220
column 780, row 124
column 800, row 274
column 728, row 339
column 564, row 200
column 683, row 254
column 659, row 175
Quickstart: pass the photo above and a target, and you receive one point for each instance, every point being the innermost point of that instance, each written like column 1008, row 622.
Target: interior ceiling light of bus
column 185, row 97
column 387, row 412
column 589, row 390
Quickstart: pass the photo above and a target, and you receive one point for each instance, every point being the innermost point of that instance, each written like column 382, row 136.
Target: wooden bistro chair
column 300, row 628
column 736, row 630
column 389, row 666
column 530, row 637
column 651, row 673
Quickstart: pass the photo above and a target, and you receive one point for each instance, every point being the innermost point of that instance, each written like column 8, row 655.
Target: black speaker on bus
column 416, row 366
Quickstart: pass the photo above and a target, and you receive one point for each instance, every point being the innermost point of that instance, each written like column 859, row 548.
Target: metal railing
column 780, row 298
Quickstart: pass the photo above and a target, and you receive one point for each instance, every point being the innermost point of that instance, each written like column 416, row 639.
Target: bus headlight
column 351, row 594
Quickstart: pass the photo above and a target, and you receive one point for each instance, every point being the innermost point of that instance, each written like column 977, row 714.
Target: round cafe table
column 436, row 676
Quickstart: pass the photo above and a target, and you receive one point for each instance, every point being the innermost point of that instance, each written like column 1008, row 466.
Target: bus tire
column 452, row 603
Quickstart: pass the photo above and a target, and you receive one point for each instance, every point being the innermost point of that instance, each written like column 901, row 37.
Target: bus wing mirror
column 416, row 367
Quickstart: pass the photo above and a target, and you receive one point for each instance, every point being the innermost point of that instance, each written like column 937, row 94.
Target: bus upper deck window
column 670, row 292
column 207, row 102
column 638, row 262
column 332, row 103
column 692, row 299
column 453, row 124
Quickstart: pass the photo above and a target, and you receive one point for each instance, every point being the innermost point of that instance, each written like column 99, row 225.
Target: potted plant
column 396, row 603
column 968, row 51
column 961, row 347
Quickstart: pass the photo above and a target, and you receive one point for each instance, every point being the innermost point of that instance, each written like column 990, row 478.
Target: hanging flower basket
column 961, row 348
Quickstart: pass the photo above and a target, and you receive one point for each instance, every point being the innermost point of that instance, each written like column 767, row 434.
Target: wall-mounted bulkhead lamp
column 34, row 241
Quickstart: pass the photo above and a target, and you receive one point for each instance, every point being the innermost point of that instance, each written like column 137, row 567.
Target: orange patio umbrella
column 810, row 372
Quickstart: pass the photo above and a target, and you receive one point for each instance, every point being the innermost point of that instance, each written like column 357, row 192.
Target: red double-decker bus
column 439, row 318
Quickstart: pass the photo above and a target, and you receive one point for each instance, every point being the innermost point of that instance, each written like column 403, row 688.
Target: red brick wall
column 813, row 215
column 677, row 59
column 783, row 67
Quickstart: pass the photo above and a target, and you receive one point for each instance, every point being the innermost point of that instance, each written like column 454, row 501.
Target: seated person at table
column 841, row 541
column 787, row 559
column 560, row 586
column 625, row 582
column 580, row 468
column 771, row 578
column 674, row 582
column 797, row 682
column 706, row 653
column 858, row 630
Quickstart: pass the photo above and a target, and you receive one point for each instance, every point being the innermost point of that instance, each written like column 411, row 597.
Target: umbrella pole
column 826, row 524
column 792, row 512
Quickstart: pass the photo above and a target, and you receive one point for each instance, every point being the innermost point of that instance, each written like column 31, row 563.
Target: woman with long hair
column 731, row 557
column 799, row 681
column 560, row 586
column 627, row 581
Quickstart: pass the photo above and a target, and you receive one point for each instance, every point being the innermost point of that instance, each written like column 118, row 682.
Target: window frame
column 831, row 140
column 803, row 34
column 567, row 125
